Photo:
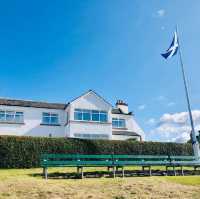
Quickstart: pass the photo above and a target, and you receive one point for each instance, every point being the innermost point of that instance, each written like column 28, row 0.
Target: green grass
column 186, row 180
column 9, row 173
column 28, row 183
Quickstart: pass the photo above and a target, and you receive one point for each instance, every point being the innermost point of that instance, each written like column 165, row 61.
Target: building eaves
column 27, row 103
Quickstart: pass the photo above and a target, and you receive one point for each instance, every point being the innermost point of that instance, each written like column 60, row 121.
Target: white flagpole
column 195, row 144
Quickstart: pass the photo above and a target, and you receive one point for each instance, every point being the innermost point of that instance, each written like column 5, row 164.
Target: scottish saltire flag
column 172, row 50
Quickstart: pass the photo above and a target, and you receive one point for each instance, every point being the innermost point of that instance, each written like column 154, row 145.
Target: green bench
column 115, row 162
column 182, row 161
column 75, row 160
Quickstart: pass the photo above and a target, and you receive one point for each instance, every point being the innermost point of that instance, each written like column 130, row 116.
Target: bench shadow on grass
column 106, row 174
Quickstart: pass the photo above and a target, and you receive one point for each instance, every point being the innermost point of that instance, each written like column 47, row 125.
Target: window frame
column 118, row 120
column 79, row 115
column 10, row 116
column 50, row 115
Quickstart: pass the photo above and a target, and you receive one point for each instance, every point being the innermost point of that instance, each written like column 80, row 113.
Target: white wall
column 77, row 127
column 131, row 124
column 91, row 102
column 32, row 121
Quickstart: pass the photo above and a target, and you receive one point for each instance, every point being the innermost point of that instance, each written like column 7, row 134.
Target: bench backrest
column 109, row 160
column 182, row 158
column 140, row 157
column 75, row 159
column 139, row 160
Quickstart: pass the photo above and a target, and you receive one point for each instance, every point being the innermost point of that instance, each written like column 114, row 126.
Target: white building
column 88, row 116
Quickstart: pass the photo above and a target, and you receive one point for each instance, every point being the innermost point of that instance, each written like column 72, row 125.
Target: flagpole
column 195, row 144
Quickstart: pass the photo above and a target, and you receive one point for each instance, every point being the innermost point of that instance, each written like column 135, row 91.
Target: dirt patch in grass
column 20, row 184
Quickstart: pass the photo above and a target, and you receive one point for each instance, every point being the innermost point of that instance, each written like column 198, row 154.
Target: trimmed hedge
column 24, row 152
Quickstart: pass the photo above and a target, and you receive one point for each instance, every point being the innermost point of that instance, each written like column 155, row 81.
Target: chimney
column 122, row 106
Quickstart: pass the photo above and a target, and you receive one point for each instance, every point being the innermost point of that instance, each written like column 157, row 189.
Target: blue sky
column 56, row 50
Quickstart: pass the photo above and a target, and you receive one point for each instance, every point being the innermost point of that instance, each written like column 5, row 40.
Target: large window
column 118, row 123
column 90, row 115
column 91, row 136
column 11, row 116
column 50, row 118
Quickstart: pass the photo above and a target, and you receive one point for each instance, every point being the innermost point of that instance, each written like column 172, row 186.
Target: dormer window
column 90, row 115
column 118, row 123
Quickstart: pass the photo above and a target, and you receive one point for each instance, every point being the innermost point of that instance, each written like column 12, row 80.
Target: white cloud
column 180, row 118
column 161, row 13
column 175, row 127
column 184, row 137
column 177, row 118
column 142, row 107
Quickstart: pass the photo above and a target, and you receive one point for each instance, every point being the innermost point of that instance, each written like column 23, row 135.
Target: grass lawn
column 186, row 180
column 28, row 183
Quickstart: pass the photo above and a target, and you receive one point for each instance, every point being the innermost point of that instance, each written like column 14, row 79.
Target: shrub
column 24, row 152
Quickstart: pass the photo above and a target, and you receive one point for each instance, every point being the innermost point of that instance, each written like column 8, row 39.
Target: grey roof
column 26, row 103
column 38, row 104
column 128, row 133
column 119, row 111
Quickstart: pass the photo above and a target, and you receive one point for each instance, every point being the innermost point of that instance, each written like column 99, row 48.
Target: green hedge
column 24, row 152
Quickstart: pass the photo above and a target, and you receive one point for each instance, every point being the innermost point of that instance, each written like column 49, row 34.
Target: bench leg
column 82, row 176
column 149, row 170
column 174, row 169
column 114, row 172
column 77, row 169
column 122, row 172
column 143, row 169
column 167, row 170
column 182, row 172
column 108, row 169
column 45, row 173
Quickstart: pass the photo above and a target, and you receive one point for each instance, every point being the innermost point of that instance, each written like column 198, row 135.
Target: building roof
column 27, row 103
column 119, row 111
column 48, row 105
column 128, row 133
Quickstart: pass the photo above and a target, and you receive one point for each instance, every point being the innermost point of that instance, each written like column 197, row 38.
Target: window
column 50, row 118
column 103, row 116
column 90, row 115
column 86, row 115
column 91, row 136
column 118, row 123
column 78, row 114
column 95, row 116
column 11, row 116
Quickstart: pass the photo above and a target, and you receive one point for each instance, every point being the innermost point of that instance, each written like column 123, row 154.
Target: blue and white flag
column 172, row 50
